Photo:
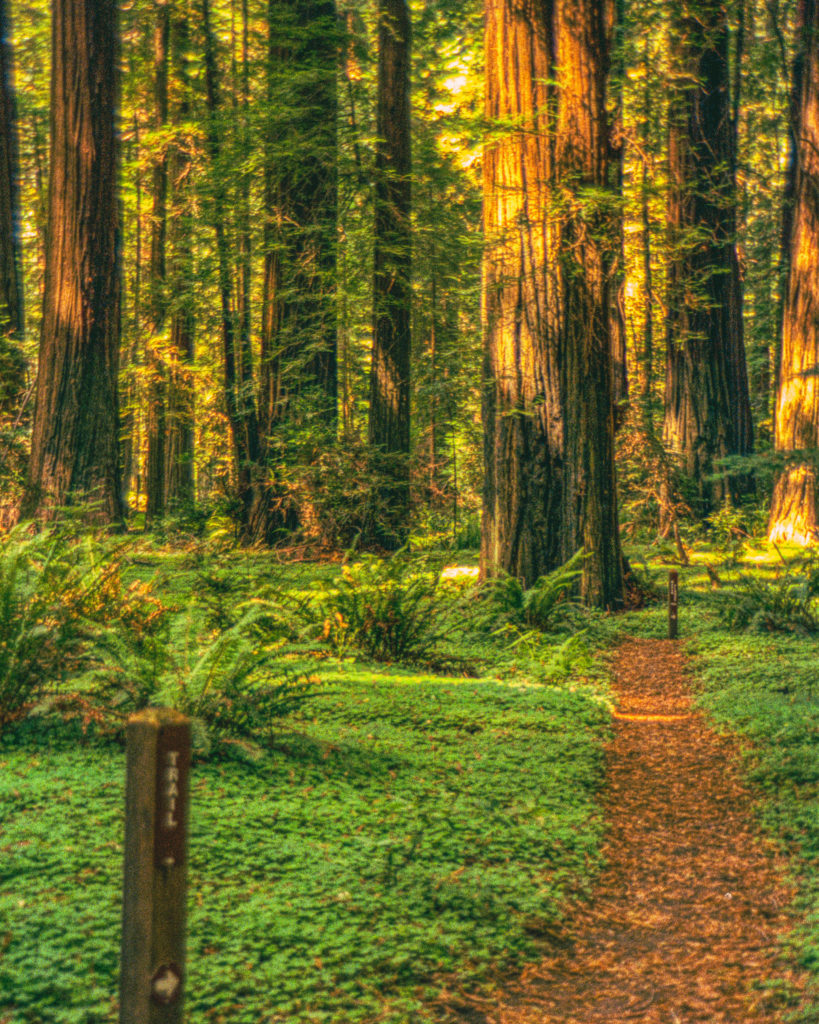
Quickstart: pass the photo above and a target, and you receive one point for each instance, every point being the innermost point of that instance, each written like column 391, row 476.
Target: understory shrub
column 60, row 596
column 341, row 489
column 391, row 609
column 544, row 606
column 229, row 685
column 782, row 605
column 36, row 640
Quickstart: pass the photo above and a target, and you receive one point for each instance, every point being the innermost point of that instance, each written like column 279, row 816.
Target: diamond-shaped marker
column 165, row 984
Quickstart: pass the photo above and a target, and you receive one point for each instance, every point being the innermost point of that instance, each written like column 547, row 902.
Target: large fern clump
column 396, row 609
column 785, row 604
column 547, row 604
column 60, row 594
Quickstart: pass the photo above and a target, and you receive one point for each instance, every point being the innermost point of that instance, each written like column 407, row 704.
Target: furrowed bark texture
column 74, row 454
column 551, row 244
column 794, row 507
column 11, row 287
column 180, row 410
column 240, row 404
column 389, row 417
column 299, row 344
column 157, row 302
column 708, row 413
column 298, row 375
column 615, row 13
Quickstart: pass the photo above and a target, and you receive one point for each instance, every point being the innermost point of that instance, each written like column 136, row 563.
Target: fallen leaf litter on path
column 685, row 923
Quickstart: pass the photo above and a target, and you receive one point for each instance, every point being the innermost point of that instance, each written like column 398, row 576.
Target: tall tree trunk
column 157, row 298
column 239, row 402
column 74, row 451
column 299, row 323
column 548, row 375
column 789, row 193
column 242, row 220
column 180, row 415
column 129, row 421
column 707, row 404
column 389, row 417
column 645, row 357
column 617, row 78
column 794, row 513
column 12, row 364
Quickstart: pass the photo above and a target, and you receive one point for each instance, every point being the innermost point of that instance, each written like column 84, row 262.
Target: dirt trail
column 684, row 923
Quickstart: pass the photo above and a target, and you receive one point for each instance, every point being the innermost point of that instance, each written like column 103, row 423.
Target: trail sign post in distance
column 673, row 599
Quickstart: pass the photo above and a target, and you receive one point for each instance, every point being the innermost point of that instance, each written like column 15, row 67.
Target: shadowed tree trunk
column 74, row 452
column 299, row 328
column 707, row 404
column 551, row 236
column 238, row 390
column 794, row 508
column 156, row 297
column 12, row 364
column 179, row 426
column 389, row 417
column 298, row 383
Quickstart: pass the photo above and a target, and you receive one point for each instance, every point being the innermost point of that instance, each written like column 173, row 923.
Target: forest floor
column 687, row 919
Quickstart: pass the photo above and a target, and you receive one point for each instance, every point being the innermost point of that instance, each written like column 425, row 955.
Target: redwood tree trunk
column 794, row 509
column 157, row 371
column 180, row 411
column 74, row 454
column 389, row 416
column 238, row 390
column 299, row 327
column 12, row 364
column 548, row 374
column 707, row 404
column 298, row 354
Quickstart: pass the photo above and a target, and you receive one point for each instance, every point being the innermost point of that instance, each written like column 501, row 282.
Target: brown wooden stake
column 152, row 972
column 673, row 597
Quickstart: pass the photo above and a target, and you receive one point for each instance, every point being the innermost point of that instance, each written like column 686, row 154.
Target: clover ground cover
column 402, row 830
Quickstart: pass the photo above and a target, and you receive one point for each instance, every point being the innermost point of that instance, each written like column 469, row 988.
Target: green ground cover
column 400, row 833
column 403, row 831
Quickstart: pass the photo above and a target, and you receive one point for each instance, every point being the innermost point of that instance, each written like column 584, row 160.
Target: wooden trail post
column 673, row 599
column 152, row 968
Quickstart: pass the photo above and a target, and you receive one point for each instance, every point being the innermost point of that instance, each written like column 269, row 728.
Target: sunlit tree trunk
column 389, row 416
column 551, row 236
column 707, row 404
column 794, row 508
column 74, row 453
column 157, row 301
column 12, row 364
column 616, row 17
column 129, row 417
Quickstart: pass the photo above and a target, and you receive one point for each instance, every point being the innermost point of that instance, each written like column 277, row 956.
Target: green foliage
column 234, row 689
column 34, row 638
column 765, row 688
column 230, row 682
column 60, row 598
column 390, row 609
column 341, row 494
column 784, row 604
column 544, row 606
column 400, row 832
column 732, row 527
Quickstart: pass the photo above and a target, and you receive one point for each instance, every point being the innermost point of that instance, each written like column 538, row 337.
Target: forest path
column 684, row 922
